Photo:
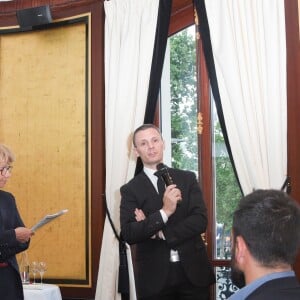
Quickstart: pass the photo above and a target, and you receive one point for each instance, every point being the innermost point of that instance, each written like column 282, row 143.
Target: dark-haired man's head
column 266, row 230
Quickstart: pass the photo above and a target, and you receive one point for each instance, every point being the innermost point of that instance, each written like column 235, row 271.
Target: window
column 181, row 104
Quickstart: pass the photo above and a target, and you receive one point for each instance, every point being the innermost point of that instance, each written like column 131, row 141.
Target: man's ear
column 135, row 152
column 241, row 249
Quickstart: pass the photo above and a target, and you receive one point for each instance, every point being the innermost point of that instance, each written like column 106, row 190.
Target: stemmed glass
column 42, row 268
column 34, row 269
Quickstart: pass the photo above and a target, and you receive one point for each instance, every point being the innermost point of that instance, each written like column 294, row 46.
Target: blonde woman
column 14, row 236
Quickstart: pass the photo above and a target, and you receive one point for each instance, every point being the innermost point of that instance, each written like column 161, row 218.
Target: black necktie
column 160, row 185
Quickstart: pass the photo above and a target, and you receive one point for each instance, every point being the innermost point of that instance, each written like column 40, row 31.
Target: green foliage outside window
column 184, row 132
column 183, row 101
column 227, row 191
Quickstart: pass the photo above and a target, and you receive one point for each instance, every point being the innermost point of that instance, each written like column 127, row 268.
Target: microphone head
column 163, row 172
column 161, row 166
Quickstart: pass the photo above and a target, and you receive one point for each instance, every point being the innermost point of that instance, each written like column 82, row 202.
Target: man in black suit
column 266, row 239
column 14, row 237
column 170, row 260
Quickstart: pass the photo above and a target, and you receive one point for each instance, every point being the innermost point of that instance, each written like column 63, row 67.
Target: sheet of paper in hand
column 47, row 219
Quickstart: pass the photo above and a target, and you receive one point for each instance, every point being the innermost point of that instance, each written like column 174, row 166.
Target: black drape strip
column 207, row 49
column 123, row 278
column 160, row 44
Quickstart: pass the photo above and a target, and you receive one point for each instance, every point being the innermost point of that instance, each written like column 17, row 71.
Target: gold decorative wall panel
column 45, row 120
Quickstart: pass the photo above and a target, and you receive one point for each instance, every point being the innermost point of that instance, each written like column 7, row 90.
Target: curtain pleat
column 249, row 51
column 129, row 40
column 210, row 65
column 161, row 38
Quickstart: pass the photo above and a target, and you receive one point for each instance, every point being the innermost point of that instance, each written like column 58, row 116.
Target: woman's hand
column 23, row 234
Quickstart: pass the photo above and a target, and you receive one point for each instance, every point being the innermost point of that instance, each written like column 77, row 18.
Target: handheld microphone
column 163, row 172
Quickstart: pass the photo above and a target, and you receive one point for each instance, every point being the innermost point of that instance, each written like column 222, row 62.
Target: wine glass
column 42, row 268
column 34, row 270
column 24, row 267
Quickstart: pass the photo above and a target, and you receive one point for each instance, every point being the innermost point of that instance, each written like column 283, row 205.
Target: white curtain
column 130, row 27
column 249, row 49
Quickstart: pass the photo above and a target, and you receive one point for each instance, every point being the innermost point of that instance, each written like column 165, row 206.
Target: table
column 41, row 292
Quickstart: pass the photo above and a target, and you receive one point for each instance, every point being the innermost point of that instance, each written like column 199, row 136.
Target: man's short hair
column 144, row 127
column 269, row 222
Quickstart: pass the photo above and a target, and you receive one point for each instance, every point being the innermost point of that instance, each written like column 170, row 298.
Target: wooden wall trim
column 293, row 99
column 8, row 9
column 182, row 16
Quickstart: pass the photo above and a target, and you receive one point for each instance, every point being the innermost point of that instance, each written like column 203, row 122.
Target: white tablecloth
column 41, row 292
